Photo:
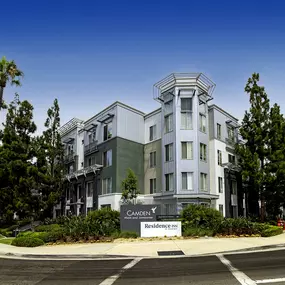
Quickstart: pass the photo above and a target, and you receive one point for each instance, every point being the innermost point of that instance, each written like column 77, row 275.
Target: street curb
column 9, row 255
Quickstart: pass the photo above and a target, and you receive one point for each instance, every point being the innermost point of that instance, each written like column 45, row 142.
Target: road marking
column 276, row 280
column 112, row 279
column 240, row 276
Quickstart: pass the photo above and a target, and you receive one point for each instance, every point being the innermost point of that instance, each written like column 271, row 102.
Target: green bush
column 6, row 233
column 27, row 242
column 198, row 216
column 128, row 234
column 270, row 231
column 197, row 232
column 47, row 228
column 103, row 222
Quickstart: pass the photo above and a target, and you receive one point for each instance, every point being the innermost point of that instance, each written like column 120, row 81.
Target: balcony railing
column 69, row 158
column 91, row 147
column 230, row 141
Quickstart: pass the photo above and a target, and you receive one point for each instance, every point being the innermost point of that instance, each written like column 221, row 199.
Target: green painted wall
column 129, row 155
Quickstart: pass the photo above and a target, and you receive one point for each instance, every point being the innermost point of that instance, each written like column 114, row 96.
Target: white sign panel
column 160, row 229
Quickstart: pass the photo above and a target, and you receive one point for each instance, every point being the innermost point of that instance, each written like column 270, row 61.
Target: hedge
column 27, row 241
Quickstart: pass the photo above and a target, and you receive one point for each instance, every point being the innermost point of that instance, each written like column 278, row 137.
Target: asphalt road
column 246, row 269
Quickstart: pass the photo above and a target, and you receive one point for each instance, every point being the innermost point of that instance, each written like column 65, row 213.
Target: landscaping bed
column 104, row 226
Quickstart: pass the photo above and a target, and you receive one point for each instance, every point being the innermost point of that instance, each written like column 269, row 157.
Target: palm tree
column 9, row 72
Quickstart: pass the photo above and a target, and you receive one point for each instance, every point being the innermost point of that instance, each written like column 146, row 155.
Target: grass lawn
column 6, row 240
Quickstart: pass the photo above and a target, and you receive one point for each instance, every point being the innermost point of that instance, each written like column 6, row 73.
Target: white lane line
column 240, row 276
column 275, row 280
column 112, row 279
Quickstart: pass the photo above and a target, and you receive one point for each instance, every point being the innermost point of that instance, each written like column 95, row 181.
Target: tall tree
column 9, row 73
column 50, row 159
column 253, row 153
column 275, row 185
column 130, row 187
column 17, row 169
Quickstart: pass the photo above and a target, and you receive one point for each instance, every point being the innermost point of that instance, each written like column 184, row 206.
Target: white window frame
column 152, row 133
column 152, row 159
column 189, row 150
column 231, row 133
column 220, row 157
column 168, row 107
column 219, row 131
column 106, row 185
column 203, row 152
column 89, row 189
column 203, row 123
column 107, row 161
column 109, row 131
column 168, row 123
column 170, row 183
column 169, row 152
column 220, row 184
column 186, row 115
column 203, row 182
column 152, row 185
column 189, row 181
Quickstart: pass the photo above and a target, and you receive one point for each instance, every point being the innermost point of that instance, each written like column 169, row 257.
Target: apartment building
column 181, row 153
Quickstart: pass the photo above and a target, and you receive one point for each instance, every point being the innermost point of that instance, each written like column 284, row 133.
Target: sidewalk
column 200, row 246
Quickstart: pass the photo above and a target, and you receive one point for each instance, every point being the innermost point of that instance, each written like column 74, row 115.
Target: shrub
column 128, row 234
column 27, row 242
column 103, row 222
column 198, row 216
column 6, row 233
column 197, row 232
column 270, row 231
column 47, row 228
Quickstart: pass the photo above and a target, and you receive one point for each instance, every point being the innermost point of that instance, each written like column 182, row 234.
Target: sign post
column 131, row 216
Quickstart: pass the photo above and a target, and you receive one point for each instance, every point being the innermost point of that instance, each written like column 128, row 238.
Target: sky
column 90, row 53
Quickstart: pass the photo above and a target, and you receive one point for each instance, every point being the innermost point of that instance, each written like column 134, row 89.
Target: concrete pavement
column 190, row 247
column 227, row 269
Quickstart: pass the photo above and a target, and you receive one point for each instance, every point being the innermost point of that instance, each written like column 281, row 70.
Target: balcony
column 68, row 158
column 230, row 141
column 90, row 148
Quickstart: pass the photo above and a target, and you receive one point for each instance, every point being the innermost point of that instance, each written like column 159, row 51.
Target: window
column 202, row 107
column 67, row 194
column 187, row 150
column 220, row 182
column 186, row 104
column 168, row 122
column 221, row 209
column 107, row 131
column 186, row 113
column 91, row 161
column 107, row 206
column 152, row 159
column 203, row 152
column 152, row 185
column 202, row 123
column 89, row 189
column 168, row 107
column 234, row 187
column 169, row 152
column 107, row 186
column 220, row 157
column 187, row 180
column 203, row 181
column 70, row 169
column 169, row 183
column 152, row 133
column 219, row 131
column 231, row 134
column 232, row 159
column 70, row 149
column 107, row 158
column 92, row 136
column 79, row 191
